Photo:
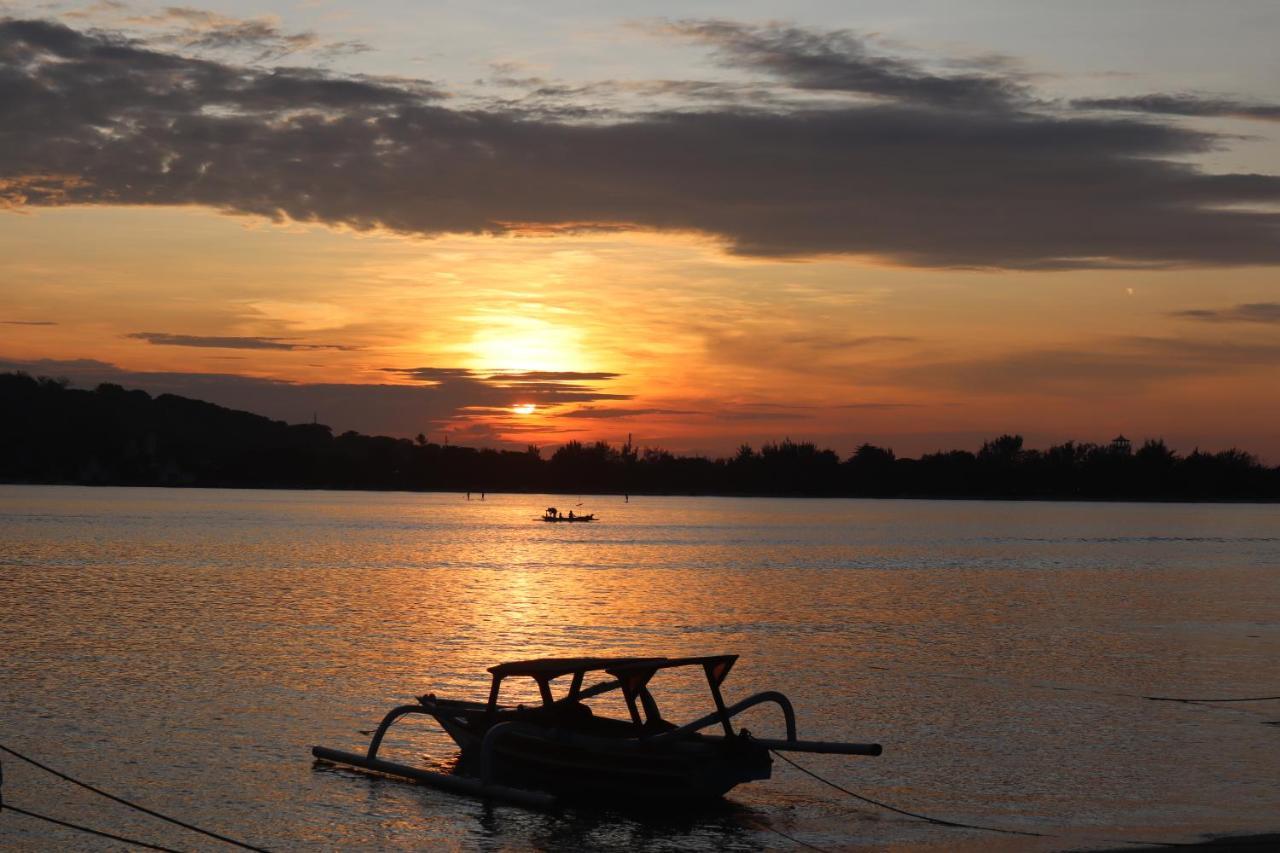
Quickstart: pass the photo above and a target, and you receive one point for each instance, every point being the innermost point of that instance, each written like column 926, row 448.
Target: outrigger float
column 560, row 750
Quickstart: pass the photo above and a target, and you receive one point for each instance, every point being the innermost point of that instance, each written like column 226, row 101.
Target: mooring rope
column 131, row 805
column 916, row 815
column 1093, row 690
column 90, row 830
column 798, row 841
column 959, row 825
column 1182, row 699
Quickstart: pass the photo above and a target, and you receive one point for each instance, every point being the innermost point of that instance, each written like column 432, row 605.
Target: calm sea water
column 187, row 647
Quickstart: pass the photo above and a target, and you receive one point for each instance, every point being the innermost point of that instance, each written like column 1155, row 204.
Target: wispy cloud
column 1119, row 366
column 761, row 413
column 199, row 28
column 841, row 60
column 231, row 342
column 1249, row 312
column 193, row 29
column 432, row 374
column 544, row 387
column 1185, row 105
column 520, row 376
column 819, row 341
column 603, row 413
column 874, row 404
column 28, row 322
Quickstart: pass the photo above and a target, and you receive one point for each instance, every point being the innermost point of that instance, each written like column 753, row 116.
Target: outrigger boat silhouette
column 553, row 515
column 540, row 755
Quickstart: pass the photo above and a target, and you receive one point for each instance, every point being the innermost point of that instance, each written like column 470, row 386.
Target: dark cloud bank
column 917, row 167
column 447, row 394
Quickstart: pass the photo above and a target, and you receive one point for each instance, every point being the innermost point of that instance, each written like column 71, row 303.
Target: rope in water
column 791, row 838
column 958, row 824
column 135, row 842
column 1181, row 699
column 916, row 815
column 1098, row 691
column 131, row 805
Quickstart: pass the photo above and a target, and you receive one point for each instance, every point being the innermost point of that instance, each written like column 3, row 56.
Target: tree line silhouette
column 53, row 433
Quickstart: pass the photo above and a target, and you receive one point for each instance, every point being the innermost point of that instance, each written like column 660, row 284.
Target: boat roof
column 548, row 668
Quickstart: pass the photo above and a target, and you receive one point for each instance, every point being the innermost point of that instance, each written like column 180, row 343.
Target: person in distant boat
column 571, row 515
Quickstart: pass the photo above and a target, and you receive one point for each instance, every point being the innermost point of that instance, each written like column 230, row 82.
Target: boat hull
column 628, row 770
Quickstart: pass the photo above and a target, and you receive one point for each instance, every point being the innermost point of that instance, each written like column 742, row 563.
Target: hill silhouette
column 53, row 433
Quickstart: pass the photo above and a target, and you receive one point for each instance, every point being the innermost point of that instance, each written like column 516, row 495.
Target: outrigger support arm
column 393, row 715
column 446, row 781
column 822, row 746
column 723, row 715
column 791, row 744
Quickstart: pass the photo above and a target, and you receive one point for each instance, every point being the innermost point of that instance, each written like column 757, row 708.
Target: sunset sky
column 919, row 224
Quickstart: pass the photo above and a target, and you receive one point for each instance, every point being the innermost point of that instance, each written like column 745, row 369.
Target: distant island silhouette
column 52, row 433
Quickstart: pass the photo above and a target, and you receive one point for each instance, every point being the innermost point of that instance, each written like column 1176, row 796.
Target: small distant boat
column 553, row 515
column 559, row 750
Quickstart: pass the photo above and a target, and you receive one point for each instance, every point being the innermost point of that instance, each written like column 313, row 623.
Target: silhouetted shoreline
column 110, row 436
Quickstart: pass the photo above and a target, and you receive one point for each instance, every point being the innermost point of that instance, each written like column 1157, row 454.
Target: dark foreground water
column 187, row 647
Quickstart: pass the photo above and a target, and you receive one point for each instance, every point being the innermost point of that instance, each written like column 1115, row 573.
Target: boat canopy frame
column 632, row 675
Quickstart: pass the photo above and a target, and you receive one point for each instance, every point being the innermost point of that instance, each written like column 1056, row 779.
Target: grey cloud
column 28, row 322
column 842, row 61
column 96, row 119
column 1249, row 312
column 1184, row 105
column 228, row 342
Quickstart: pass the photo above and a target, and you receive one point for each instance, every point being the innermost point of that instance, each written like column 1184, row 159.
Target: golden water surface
column 185, row 648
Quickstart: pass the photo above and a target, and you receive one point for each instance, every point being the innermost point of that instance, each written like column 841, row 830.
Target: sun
column 519, row 343
column 524, row 408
